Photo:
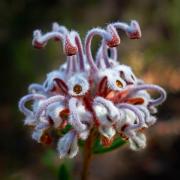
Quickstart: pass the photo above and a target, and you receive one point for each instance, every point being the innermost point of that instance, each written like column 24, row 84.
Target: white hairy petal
column 106, row 111
column 30, row 120
column 112, row 77
column 84, row 115
column 37, row 134
column 101, row 113
column 49, row 82
column 128, row 74
column 36, row 105
column 54, row 111
column 84, row 135
column 128, row 118
column 137, row 142
column 151, row 121
column 63, row 67
column 67, row 145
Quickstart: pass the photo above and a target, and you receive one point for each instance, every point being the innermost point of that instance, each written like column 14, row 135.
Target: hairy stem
column 87, row 156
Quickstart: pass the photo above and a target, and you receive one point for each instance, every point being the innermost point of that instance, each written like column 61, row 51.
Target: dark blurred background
column 154, row 58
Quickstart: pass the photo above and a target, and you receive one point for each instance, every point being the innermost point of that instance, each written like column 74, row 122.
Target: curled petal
column 54, row 112
column 27, row 98
column 154, row 102
column 49, row 83
column 133, row 30
column 101, row 114
column 30, row 120
column 39, row 41
column 149, row 120
column 74, row 118
column 81, row 58
column 36, row 88
column 46, row 103
column 107, row 36
column 58, row 28
column 105, row 111
column 136, row 111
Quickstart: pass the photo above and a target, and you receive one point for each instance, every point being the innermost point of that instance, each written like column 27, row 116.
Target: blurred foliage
column 155, row 58
column 64, row 173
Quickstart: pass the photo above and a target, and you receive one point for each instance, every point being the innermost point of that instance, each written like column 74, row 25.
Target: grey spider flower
column 90, row 94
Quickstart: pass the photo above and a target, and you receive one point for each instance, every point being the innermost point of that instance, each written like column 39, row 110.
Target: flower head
column 87, row 93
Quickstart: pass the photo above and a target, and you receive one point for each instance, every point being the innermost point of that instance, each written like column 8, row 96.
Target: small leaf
column 66, row 129
column 64, row 173
column 99, row 148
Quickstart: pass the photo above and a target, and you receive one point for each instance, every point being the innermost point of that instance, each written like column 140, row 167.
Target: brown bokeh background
column 154, row 58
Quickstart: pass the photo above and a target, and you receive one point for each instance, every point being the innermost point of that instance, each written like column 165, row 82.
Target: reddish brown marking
column 115, row 41
column 54, row 89
column 64, row 114
column 46, row 138
column 142, row 129
column 124, row 127
column 135, row 35
column 51, row 122
column 102, row 87
column 117, row 97
column 135, row 101
column 61, row 85
column 88, row 104
column 123, row 136
column 106, row 141
column 63, row 124
column 111, row 95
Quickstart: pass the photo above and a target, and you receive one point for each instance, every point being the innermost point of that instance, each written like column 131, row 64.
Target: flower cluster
column 88, row 93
